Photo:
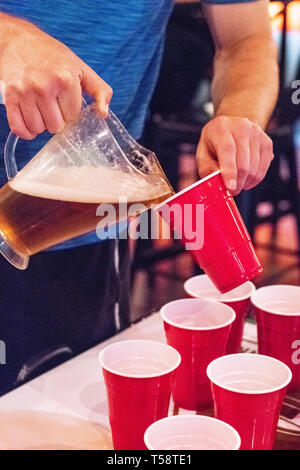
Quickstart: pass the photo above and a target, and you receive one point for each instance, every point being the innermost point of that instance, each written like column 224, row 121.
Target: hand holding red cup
column 206, row 220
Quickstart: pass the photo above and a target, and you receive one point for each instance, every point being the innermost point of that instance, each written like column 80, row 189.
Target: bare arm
column 43, row 79
column 246, row 72
column 244, row 92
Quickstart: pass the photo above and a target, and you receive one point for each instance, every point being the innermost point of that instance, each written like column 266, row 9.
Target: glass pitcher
column 56, row 195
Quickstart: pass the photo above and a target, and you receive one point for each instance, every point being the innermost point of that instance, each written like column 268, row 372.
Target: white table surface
column 76, row 387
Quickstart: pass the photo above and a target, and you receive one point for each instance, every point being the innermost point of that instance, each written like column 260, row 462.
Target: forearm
column 12, row 28
column 245, row 80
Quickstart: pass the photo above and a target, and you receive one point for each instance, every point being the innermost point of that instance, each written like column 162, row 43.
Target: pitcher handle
column 10, row 149
column 20, row 261
column 10, row 156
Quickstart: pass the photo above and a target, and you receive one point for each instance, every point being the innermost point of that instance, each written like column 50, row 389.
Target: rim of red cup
column 190, row 417
column 249, row 392
column 138, row 376
column 188, row 290
column 188, row 188
column 260, row 305
column 202, row 301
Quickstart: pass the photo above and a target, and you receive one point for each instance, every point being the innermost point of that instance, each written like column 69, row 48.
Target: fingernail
column 231, row 185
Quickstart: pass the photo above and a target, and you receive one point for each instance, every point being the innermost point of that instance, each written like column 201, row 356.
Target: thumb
column 97, row 88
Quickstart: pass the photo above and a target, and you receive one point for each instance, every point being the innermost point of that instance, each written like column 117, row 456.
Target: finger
column 70, row 101
column 51, row 114
column 32, row 116
column 17, row 123
column 254, row 148
column 242, row 142
column 266, row 157
column 243, row 165
column 222, row 145
column 97, row 88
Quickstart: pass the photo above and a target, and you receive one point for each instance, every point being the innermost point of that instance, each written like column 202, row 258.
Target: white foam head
column 88, row 184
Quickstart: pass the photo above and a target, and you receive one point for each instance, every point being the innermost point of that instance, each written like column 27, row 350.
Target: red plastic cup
column 248, row 391
column 191, row 432
column 277, row 311
column 226, row 255
column 198, row 329
column 238, row 299
column 138, row 376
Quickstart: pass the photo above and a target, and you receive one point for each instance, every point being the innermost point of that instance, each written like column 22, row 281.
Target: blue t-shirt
column 121, row 41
